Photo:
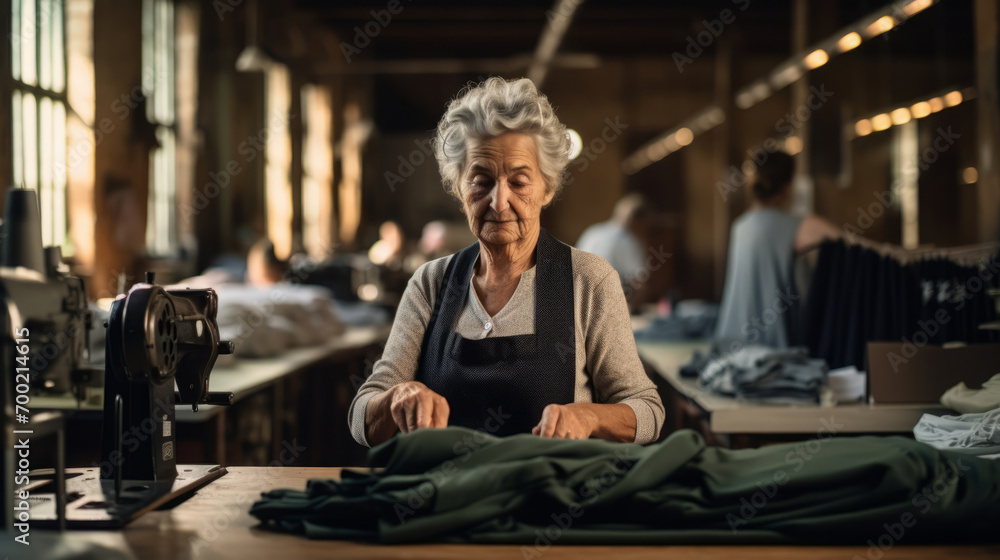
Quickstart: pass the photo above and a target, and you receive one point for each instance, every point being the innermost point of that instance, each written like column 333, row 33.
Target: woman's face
column 502, row 188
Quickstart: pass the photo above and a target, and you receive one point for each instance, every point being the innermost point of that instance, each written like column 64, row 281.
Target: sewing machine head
column 156, row 337
column 48, row 301
column 168, row 335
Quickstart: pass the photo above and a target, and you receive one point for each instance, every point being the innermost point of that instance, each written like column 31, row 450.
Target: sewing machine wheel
column 163, row 351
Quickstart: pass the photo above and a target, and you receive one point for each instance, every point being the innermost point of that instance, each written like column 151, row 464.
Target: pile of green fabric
column 459, row 485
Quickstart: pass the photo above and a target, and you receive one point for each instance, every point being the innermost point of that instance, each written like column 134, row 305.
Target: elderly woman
column 518, row 332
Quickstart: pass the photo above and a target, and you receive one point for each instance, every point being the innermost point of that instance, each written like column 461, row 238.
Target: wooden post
column 722, row 156
column 988, row 104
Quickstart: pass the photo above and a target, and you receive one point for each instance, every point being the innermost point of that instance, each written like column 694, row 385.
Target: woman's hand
column 613, row 422
column 567, row 421
column 414, row 406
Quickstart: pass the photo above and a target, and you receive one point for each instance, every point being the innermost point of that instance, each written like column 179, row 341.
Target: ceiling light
column 684, row 136
column 816, row 59
column 970, row 175
column 793, row 145
column 863, row 127
column 881, row 122
column 879, row 26
column 916, row 7
column 952, row 99
column 575, row 144
column 900, row 116
column 920, row 110
column 849, row 41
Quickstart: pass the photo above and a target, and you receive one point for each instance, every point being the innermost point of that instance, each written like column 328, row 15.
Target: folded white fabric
column 976, row 434
column 966, row 400
column 267, row 321
column 848, row 384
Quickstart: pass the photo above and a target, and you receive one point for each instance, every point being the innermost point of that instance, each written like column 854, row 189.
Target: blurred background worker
column 621, row 241
column 763, row 244
column 264, row 268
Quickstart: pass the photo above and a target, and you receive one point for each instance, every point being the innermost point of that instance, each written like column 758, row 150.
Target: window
column 317, row 170
column 38, row 109
column 278, row 160
column 158, row 85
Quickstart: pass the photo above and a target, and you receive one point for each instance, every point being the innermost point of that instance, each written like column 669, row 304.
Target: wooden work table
column 730, row 416
column 215, row 524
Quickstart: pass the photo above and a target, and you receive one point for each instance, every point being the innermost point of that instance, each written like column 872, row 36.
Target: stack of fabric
column 965, row 399
column 267, row 321
column 690, row 320
column 759, row 373
column 975, row 434
column 976, row 431
column 458, row 485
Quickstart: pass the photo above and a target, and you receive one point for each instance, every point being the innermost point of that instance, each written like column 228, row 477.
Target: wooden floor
column 215, row 523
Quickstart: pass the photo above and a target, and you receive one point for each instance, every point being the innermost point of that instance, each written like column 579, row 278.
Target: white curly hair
column 494, row 107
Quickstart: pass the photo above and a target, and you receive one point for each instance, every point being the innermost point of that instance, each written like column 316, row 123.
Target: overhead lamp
column 575, row 143
column 880, row 26
column 900, row 116
column 253, row 58
column 684, row 136
column 863, row 127
column 920, row 110
column 674, row 139
column 793, row 145
column 849, row 41
column 881, row 122
column 970, row 175
column 905, row 113
column 819, row 53
column 916, row 6
column 816, row 59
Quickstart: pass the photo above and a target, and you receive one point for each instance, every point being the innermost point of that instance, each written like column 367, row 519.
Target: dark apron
column 501, row 385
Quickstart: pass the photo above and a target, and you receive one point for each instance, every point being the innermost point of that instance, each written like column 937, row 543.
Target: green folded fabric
column 459, row 485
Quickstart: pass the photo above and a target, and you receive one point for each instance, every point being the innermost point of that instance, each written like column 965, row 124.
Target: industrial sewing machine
column 156, row 339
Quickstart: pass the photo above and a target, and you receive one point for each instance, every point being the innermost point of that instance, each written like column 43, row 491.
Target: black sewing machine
column 156, row 338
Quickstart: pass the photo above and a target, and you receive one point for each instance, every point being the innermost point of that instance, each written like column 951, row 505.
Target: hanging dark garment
column 502, row 384
column 858, row 296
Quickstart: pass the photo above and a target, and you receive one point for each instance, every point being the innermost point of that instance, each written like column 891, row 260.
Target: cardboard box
column 905, row 373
